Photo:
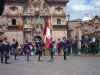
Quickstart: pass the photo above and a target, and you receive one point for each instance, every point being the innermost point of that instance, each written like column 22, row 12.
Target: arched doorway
column 13, row 21
column 37, row 37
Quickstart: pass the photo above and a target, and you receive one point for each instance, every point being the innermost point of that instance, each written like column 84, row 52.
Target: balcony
column 12, row 27
column 27, row 28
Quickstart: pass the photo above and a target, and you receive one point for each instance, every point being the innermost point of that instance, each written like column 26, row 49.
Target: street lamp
column 67, row 25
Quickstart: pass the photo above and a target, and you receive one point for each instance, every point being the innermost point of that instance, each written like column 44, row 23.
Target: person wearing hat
column 64, row 47
column 6, row 49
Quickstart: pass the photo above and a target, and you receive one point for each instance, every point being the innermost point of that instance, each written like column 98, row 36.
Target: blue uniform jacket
column 38, row 45
column 6, row 47
column 64, row 45
column 26, row 47
column 1, row 48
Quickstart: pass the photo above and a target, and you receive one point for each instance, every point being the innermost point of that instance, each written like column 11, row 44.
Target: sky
column 78, row 8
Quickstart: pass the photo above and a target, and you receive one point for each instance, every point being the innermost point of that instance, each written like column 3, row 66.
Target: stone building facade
column 88, row 28
column 31, row 16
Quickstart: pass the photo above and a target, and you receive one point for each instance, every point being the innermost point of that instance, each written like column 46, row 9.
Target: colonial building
column 31, row 16
column 84, row 27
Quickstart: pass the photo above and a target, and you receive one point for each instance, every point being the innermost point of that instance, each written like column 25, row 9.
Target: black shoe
column 7, row 63
column 1, row 60
column 65, row 58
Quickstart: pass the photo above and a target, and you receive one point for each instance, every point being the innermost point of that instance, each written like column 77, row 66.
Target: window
column 59, row 9
column 13, row 8
column 13, row 21
column 58, row 21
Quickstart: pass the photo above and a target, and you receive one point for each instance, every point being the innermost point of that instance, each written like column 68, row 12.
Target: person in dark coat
column 14, row 47
column 51, row 48
column 38, row 45
column 84, row 46
column 93, row 45
column 64, row 47
column 97, row 46
column 42, row 46
column 68, row 42
column 5, row 47
column 39, row 50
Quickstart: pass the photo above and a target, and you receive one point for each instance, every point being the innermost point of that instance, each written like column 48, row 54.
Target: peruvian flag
column 47, row 34
column 19, row 27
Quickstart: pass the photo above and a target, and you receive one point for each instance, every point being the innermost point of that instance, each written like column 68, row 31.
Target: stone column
column 80, row 35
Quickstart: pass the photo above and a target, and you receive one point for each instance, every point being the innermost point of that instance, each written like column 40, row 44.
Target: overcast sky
column 78, row 8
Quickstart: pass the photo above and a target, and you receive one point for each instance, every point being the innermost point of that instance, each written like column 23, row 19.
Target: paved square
column 72, row 66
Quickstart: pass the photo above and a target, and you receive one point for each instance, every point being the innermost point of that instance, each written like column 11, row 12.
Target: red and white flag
column 47, row 34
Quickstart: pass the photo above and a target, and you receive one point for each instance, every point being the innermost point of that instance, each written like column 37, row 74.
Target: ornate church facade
column 31, row 16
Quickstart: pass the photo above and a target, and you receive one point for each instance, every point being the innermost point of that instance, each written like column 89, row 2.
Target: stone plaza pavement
column 73, row 66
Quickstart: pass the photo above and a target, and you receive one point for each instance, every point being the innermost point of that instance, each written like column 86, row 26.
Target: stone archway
column 37, row 37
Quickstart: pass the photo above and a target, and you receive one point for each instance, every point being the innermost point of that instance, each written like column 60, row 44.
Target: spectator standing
column 27, row 49
column 6, row 50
